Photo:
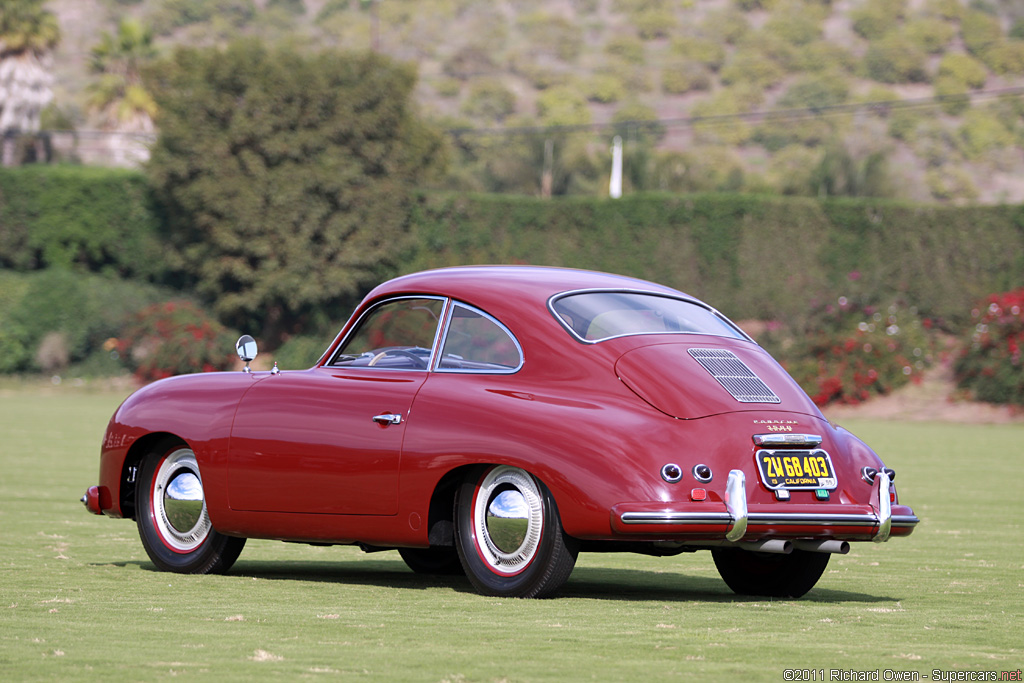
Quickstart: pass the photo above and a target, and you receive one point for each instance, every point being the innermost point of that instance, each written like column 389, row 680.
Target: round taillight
column 672, row 473
column 702, row 473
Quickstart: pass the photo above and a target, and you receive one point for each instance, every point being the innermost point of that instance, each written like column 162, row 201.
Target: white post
column 615, row 187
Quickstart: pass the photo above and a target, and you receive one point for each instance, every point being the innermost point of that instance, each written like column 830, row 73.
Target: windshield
column 595, row 316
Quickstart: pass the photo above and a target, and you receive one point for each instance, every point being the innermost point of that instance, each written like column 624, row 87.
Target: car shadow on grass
column 593, row 583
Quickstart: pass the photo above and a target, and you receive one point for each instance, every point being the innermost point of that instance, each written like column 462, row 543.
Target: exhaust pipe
column 771, row 545
column 836, row 547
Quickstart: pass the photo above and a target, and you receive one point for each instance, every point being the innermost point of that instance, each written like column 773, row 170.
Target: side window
column 397, row 334
column 476, row 342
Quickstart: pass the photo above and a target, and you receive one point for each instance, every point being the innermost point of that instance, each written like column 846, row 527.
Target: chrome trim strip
column 675, row 517
column 736, row 504
column 904, row 521
column 668, row 295
column 783, row 439
column 884, row 508
column 799, row 519
column 764, row 519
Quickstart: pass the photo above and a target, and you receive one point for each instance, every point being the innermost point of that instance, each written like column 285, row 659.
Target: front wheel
column 509, row 536
column 769, row 574
column 173, row 522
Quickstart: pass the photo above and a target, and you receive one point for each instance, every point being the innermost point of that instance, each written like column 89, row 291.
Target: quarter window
column 476, row 342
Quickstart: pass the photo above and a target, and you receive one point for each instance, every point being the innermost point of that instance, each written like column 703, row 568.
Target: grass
column 79, row 598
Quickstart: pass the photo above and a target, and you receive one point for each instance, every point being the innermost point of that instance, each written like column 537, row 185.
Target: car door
column 329, row 440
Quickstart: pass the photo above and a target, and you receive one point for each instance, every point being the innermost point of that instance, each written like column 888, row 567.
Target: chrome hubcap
column 179, row 508
column 508, row 520
column 508, row 517
column 183, row 501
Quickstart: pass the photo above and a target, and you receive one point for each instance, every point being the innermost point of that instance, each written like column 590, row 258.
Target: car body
column 498, row 420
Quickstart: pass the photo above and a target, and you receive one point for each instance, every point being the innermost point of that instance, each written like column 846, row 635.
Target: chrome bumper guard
column 737, row 516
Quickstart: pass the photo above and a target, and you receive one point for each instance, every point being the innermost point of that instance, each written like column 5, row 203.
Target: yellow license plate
column 789, row 469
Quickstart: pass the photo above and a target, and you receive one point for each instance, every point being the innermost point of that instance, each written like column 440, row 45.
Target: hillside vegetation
column 515, row 64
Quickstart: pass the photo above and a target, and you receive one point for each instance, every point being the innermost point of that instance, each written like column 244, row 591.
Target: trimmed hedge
column 97, row 219
column 751, row 256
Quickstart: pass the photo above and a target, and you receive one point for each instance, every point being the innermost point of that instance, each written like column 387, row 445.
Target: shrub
column 81, row 310
column 654, row 23
column 174, row 338
column 489, row 99
column 930, row 34
column 983, row 132
column 626, row 47
column 794, row 23
column 752, row 67
column 875, row 18
column 553, row 34
column 725, row 25
column 989, row 364
column 1006, row 57
column 963, row 68
column 822, row 55
column 682, row 77
column 562, row 106
column 605, row 88
column 710, row 53
column 894, row 59
column 823, row 90
column 951, row 183
column 849, row 352
column 980, row 31
column 945, row 9
column 299, row 353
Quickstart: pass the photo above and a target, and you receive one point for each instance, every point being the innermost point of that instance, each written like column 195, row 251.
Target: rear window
column 595, row 316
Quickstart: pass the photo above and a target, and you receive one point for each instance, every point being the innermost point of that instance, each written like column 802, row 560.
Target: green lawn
column 80, row 600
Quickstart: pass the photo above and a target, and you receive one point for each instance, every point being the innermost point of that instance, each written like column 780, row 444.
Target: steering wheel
column 420, row 363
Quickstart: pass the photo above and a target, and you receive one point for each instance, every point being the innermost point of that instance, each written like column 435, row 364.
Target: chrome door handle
column 388, row 419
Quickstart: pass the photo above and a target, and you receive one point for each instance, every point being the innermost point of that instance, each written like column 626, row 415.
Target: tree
column 287, row 179
column 28, row 33
column 119, row 93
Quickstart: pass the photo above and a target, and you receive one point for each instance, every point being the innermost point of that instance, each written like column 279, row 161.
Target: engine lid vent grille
column 734, row 375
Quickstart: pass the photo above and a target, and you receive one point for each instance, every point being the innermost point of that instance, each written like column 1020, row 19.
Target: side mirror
column 246, row 348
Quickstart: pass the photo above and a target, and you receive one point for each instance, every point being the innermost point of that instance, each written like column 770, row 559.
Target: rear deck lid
column 692, row 380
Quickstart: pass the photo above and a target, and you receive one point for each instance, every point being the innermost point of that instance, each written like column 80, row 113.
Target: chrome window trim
column 450, row 310
column 743, row 336
column 355, row 328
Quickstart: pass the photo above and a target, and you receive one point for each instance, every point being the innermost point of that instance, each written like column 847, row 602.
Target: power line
column 768, row 115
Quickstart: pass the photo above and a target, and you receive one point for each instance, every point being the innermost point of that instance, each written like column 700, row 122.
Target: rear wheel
column 509, row 536
column 173, row 522
column 443, row 560
column 770, row 574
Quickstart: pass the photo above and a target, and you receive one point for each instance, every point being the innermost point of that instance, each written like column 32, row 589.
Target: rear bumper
column 733, row 520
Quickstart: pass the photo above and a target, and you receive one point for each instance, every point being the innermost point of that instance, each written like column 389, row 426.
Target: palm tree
column 119, row 94
column 28, row 33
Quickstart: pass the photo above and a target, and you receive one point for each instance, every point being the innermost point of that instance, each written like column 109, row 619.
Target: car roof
column 510, row 286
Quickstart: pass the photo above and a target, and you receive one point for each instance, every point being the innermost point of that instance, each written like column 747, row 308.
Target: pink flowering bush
column 174, row 338
column 989, row 365
column 848, row 352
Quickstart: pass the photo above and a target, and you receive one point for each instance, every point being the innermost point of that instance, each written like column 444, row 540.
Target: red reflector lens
column 892, row 497
column 698, row 494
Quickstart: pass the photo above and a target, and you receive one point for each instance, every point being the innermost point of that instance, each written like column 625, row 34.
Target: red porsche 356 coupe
column 497, row 421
